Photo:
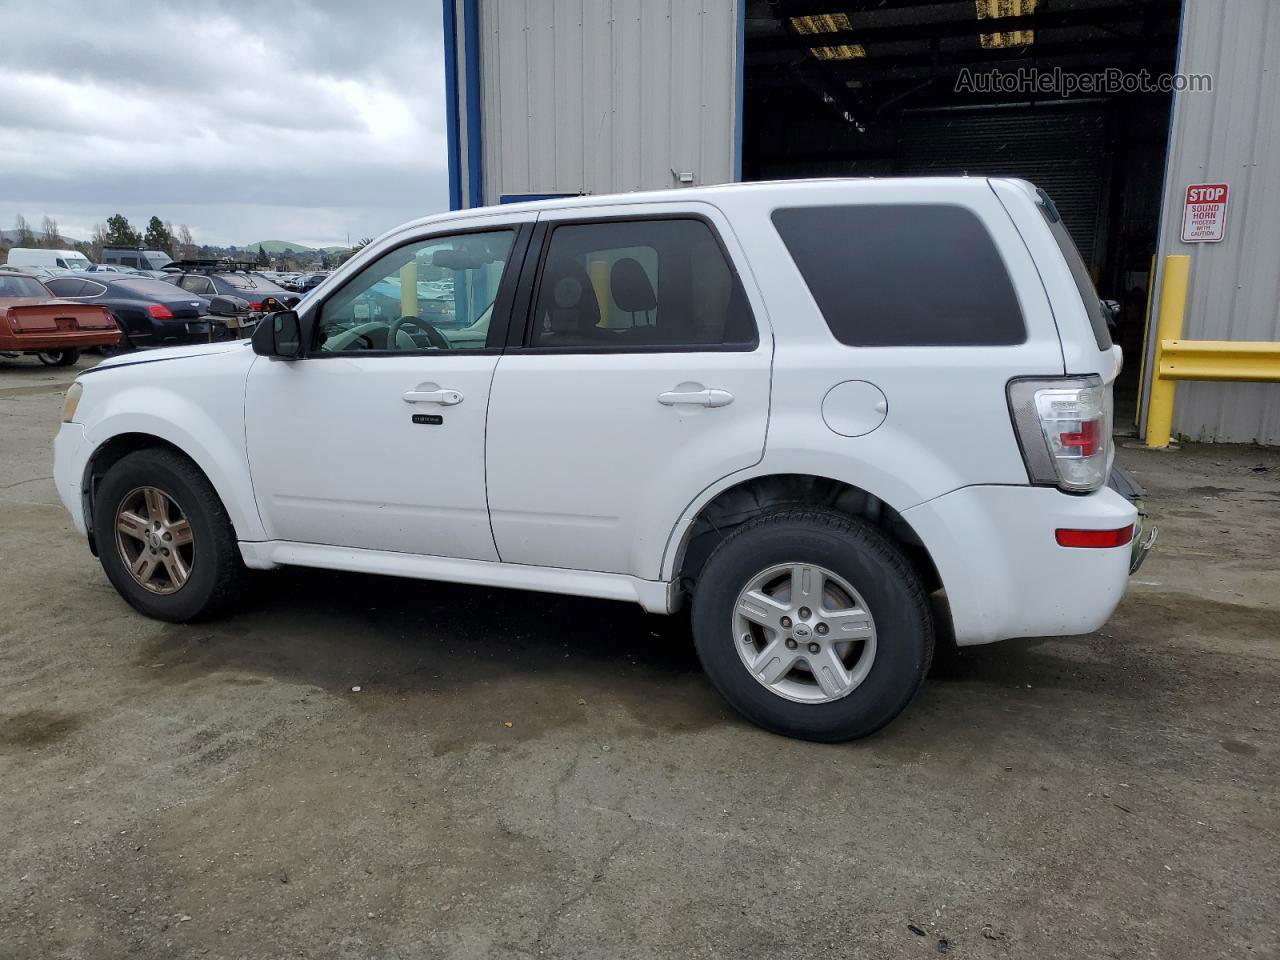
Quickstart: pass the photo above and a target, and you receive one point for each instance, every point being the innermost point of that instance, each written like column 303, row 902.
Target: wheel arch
column 118, row 446
column 722, row 508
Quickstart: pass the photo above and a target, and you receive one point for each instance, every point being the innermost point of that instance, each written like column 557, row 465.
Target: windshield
column 76, row 263
column 11, row 286
column 251, row 281
column 156, row 259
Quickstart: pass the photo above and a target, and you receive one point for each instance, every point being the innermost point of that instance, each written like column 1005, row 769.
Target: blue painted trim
column 742, row 82
column 471, row 51
column 524, row 197
column 451, row 128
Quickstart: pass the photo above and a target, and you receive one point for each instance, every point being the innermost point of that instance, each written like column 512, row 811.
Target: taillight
column 1064, row 429
column 256, row 306
column 160, row 311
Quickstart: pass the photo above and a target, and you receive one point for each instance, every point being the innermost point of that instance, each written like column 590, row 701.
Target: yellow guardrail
column 1177, row 359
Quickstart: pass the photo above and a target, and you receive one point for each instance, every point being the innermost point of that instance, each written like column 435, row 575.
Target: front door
column 376, row 439
column 641, row 376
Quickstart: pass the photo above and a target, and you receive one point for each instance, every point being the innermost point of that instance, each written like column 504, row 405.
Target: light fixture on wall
column 820, row 23
column 989, row 9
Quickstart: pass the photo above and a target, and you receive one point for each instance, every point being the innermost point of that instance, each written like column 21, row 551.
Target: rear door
column 638, row 374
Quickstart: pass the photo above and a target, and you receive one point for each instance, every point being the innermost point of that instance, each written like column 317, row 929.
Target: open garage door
column 1062, row 151
column 986, row 87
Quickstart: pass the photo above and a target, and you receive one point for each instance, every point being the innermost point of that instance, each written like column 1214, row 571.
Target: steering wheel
column 434, row 336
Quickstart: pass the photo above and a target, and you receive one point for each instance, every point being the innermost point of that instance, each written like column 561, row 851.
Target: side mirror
column 1111, row 309
column 279, row 335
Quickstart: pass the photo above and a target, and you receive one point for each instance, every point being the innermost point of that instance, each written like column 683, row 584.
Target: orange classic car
column 33, row 321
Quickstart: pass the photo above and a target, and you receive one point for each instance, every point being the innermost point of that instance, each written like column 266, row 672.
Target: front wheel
column 812, row 624
column 164, row 538
column 58, row 358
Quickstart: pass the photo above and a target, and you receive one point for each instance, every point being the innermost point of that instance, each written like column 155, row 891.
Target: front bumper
column 70, row 456
column 1005, row 575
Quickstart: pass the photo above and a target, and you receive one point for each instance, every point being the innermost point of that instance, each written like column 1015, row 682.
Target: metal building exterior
column 582, row 96
column 1231, row 135
column 567, row 97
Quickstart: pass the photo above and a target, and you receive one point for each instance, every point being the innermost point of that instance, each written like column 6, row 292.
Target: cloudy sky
column 269, row 120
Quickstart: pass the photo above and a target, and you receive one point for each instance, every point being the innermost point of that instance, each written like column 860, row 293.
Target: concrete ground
column 523, row 775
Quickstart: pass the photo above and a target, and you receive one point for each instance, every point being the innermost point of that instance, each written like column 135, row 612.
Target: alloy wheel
column 155, row 540
column 804, row 632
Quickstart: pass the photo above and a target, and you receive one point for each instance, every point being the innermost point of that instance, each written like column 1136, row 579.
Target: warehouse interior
column 892, row 87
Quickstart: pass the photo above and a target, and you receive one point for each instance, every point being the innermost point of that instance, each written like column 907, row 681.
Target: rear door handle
column 703, row 398
column 446, row 398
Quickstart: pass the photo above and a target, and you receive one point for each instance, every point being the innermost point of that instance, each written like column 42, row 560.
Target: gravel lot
column 523, row 775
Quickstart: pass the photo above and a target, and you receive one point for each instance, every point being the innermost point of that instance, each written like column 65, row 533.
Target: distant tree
column 262, row 259
column 49, row 234
column 354, row 250
column 120, row 233
column 97, row 241
column 24, row 238
column 158, row 236
column 185, row 241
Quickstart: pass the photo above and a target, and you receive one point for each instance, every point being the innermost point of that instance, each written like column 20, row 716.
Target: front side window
column 430, row 295
column 639, row 285
column 891, row 275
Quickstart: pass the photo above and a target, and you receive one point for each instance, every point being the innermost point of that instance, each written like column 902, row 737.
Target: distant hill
column 10, row 237
column 279, row 246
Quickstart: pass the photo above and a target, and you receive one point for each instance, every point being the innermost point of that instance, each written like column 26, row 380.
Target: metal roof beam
column 943, row 29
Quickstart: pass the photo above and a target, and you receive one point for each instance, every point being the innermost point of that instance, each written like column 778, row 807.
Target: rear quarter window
column 1079, row 272
column 890, row 275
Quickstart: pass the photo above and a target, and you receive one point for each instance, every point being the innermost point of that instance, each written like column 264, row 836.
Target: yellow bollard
column 1173, row 308
column 599, row 272
column 408, row 292
column 1146, row 333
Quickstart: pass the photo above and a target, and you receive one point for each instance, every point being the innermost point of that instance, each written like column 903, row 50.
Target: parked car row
column 197, row 302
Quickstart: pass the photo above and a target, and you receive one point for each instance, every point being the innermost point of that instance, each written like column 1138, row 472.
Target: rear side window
column 641, row 285
column 892, row 275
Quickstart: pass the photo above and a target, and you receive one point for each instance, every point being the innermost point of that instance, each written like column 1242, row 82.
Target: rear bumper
column 1005, row 575
column 47, row 342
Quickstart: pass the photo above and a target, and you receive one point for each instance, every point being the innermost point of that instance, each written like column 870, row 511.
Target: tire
column 58, row 358
column 211, row 558
column 861, row 571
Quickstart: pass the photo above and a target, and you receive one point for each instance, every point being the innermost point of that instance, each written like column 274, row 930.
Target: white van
column 31, row 257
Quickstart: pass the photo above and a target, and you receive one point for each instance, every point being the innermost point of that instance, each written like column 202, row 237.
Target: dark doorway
column 905, row 87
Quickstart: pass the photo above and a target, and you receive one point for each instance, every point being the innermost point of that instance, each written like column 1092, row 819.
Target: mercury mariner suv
column 837, row 417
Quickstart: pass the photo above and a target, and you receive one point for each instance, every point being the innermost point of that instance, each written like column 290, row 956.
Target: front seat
column 633, row 292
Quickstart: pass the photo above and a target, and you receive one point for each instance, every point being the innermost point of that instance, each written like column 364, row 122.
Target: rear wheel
column 58, row 358
column 812, row 624
column 165, row 540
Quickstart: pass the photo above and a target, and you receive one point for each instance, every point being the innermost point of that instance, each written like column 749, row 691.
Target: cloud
column 247, row 121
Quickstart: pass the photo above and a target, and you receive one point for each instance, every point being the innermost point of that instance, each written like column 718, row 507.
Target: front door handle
column 446, row 398
column 708, row 397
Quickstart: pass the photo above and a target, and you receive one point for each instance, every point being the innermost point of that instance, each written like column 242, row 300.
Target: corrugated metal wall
column 1230, row 135
column 602, row 96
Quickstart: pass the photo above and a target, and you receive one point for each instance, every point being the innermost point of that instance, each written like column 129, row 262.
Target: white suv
column 813, row 408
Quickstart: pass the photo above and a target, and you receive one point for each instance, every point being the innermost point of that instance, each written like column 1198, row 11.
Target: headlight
column 71, row 402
